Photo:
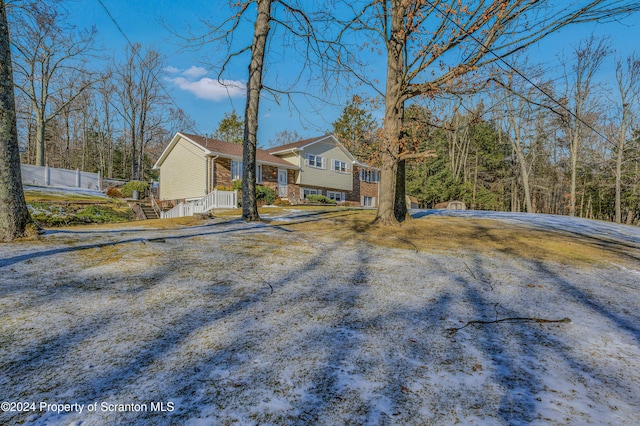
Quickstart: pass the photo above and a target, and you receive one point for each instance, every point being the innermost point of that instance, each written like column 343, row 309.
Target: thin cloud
column 171, row 70
column 195, row 72
column 208, row 88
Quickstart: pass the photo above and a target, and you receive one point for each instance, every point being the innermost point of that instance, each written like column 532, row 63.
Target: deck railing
column 214, row 200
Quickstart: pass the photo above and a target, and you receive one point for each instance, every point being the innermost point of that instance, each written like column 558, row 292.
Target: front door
column 282, row 183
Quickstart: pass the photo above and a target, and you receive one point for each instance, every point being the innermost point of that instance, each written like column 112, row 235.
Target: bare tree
column 105, row 123
column 628, row 84
column 48, row 55
column 588, row 57
column 140, row 101
column 284, row 137
column 14, row 215
column 430, row 44
column 519, row 108
column 254, row 87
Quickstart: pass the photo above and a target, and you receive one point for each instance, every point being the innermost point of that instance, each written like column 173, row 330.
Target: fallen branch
column 470, row 271
column 514, row 319
column 408, row 242
column 476, row 278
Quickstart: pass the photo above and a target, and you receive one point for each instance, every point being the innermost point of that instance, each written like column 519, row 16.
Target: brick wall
column 360, row 189
column 223, row 172
column 269, row 174
column 270, row 179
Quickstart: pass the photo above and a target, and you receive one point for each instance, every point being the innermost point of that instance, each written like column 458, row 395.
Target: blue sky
column 191, row 78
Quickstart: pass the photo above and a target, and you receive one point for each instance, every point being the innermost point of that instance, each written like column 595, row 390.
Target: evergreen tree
column 230, row 129
column 357, row 130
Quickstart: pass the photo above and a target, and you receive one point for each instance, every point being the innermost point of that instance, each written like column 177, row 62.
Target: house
column 451, row 205
column 193, row 166
column 412, row 202
column 325, row 167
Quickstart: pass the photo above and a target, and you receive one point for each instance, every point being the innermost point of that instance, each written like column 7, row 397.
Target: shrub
column 265, row 194
column 321, row 199
column 134, row 185
column 102, row 214
column 114, row 192
column 53, row 215
column 237, row 185
column 280, row 202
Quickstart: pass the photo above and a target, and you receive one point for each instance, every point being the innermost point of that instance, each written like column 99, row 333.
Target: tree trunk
column 250, row 137
column 400, row 204
column 40, row 125
column 525, row 178
column 14, row 215
column 390, row 147
column 134, row 152
column 630, row 215
column 619, row 158
column 67, row 136
column 400, row 199
column 575, row 142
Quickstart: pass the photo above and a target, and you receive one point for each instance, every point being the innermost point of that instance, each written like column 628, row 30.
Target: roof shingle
column 234, row 150
column 294, row 145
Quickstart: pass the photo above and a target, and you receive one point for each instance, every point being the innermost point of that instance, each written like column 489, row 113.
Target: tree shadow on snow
column 313, row 345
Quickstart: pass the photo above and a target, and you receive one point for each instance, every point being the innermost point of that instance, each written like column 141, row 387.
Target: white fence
column 51, row 176
column 214, row 199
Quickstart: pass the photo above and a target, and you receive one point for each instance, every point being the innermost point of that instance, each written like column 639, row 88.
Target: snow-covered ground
column 234, row 323
column 58, row 190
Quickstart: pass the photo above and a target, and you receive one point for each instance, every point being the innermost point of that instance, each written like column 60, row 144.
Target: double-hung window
column 259, row 173
column 307, row 191
column 368, row 201
column 315, row 161
column 340, row 166
column 337, row 196
column 236, row 170
column 369, row 176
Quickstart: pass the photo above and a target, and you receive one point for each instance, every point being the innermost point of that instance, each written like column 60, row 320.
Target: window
column 338, row 196
column 368, row 201
column 259, row 173
column 340, row 166
column 307, row 191
column 236, row 170
column 315, row 161
column 371, row 176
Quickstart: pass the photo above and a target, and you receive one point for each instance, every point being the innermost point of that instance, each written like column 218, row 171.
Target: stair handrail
column 155, row 205
column 203, row 205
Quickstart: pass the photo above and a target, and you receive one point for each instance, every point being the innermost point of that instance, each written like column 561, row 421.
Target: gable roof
column 297, row 145
column 301, row 145
column 212, row 147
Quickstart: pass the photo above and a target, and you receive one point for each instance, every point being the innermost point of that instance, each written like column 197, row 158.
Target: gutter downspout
column 212, row 168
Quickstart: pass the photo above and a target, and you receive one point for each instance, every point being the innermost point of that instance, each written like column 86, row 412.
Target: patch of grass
column 55, row 215
column 32, row 195
column 100, row 256
column 103, row 214
column 444, row 234
column 56, row 209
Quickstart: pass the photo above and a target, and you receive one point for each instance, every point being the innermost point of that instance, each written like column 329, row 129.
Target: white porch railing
column 213, row 200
